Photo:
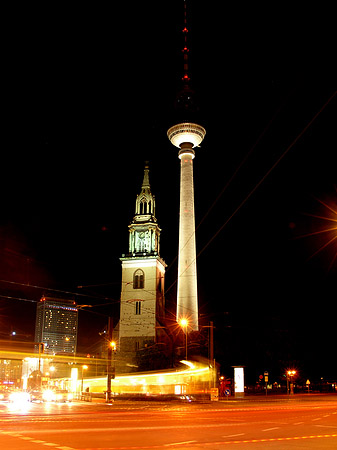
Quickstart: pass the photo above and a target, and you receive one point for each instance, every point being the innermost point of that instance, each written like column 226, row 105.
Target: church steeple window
column 138, row 279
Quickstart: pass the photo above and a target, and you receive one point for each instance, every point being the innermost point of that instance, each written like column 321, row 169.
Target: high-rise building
column 143, row 272
column 56, row 325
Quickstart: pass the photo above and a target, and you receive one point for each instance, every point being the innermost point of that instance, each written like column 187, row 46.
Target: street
column 298, row 422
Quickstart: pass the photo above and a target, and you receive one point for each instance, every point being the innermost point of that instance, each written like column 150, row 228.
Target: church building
column 142, row 306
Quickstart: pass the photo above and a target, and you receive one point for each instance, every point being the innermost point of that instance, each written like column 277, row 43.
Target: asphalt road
column 296, row 423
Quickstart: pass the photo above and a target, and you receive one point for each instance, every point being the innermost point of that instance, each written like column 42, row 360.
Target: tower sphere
column 186, row 132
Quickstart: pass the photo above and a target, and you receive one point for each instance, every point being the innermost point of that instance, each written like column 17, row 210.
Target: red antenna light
column 185, row 50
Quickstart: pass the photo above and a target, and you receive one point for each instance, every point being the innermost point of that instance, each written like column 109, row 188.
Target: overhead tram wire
column 267, row 173
column 18, row 298
column 250, row 151
column 59, row 291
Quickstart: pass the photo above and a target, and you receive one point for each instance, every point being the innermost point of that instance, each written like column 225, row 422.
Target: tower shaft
column 187, row 295
column 186, row 136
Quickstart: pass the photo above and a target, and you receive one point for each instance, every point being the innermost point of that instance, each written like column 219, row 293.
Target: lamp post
column 184, row 324
column 111, row 347
column 290, row 375
column 83, row 368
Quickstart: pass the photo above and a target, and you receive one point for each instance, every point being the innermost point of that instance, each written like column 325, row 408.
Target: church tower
column 142, row 307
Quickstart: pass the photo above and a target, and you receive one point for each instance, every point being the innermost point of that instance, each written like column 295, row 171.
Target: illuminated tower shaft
column 186, row 136
column 187, row 294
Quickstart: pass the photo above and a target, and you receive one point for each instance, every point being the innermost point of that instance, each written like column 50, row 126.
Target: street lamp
column 184, row 324
column 290, row 375
column 83, row 368
column 113, row 346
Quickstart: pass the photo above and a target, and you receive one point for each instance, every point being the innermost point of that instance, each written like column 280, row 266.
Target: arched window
column 143, row 207
column 138, row 279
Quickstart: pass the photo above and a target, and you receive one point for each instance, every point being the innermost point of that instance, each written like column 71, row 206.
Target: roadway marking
column 298, row 423
column 270, row 429
column 36, row 441
column 179, row 443
column 11, row 433
column 143, row 428
column 202, row 444
column 66, row 448
column 234, row 435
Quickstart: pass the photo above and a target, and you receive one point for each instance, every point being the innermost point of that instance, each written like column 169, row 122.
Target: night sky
column 88, row 98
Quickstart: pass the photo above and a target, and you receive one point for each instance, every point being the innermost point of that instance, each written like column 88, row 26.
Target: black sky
column 88, row 98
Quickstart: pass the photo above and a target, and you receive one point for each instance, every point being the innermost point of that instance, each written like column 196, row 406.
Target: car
column 36, row 396
column 187, row 398
column 57, row 395
column 62, row 395
column 19, row 397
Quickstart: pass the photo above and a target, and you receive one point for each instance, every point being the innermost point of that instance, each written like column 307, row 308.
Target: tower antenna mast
column 185, row 78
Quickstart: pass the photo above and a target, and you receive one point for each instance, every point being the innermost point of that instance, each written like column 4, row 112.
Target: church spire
column 144, row 232
column 145, row 201
column 146, row 181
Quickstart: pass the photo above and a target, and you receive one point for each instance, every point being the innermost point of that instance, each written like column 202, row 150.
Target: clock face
column 141, row 235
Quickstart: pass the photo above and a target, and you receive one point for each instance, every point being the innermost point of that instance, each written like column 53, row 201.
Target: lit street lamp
column 51, row 372
column 184, row 324
column 83, row 368
column 290, row 375
column 113, row 346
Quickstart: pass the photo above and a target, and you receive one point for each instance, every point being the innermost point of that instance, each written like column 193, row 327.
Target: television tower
column 186, row 135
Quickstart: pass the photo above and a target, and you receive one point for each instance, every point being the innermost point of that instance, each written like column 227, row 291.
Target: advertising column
column 239, row 383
